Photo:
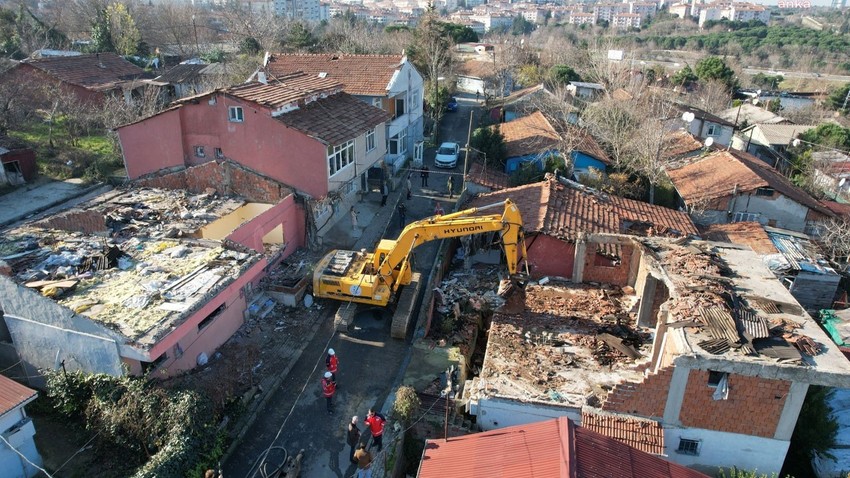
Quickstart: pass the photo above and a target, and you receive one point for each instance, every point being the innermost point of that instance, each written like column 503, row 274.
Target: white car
column 447, row 155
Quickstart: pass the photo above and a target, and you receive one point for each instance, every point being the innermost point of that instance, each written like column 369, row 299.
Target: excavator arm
column 371, row 278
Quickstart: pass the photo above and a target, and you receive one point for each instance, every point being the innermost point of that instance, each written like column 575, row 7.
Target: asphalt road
column 370, row 360
column 675, row 66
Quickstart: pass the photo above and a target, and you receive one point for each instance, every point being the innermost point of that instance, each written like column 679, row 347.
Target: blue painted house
column 533, row 139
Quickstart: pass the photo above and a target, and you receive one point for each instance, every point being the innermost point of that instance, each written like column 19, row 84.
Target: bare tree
column 434, row 50
column 17, row 100
column 650, row 143
column 613, row 123
column 713, row 96
column 835, row 239
column 595, row 66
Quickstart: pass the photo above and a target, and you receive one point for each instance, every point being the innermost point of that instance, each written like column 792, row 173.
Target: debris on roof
column 131, row 260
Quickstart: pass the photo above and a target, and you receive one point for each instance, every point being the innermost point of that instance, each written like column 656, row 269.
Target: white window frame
column 402, row 141
column 340, row 156
column 378, row 103
column 414, row 101
column 713, row 129
column 686, row 443
column 370, row 140
column 219, row 154
column 199, row 152
column 235, row 114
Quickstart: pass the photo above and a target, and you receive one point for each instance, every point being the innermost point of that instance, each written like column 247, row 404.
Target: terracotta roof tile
column 642, row 434
column 716, row 175
column 680, row 143
column 367, row 75
column 746, row 233
column 560, row 211
column 13, row 394
column 98, row 72
column 182, row 73
column 528, row 135
column 335, row 119
column 839, row 209
column 492, row 178
column 285, row 90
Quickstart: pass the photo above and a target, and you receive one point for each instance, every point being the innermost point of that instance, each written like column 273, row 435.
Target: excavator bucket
column 513, row 291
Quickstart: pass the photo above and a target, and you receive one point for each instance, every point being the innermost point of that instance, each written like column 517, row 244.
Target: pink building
column 300, row 130
column 152, row 278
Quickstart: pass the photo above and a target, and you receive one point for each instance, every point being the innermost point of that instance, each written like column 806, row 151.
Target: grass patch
column 92, row 157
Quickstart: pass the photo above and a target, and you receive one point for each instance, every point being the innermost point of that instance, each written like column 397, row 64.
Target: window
column 219, row 154
column 745, row 217
column 714, row 378
column 713, row 130
column 414, row 101
column 235, row 114
column 199, row 152
column 399, row 107
column 764, row 192
column 688, row 447
column 340, row 156
column 370, row 140
column 398, row 143
column 377, row 103
column 208, row 319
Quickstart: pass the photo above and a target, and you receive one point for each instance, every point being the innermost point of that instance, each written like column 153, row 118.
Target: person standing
column 409, row 188
column 385, row 191
column 332, row 363
column 402, row 214
column 328, row 390
column 364, row 462
column 424, row 176
column 353, row 214
column 450, row 185
column 376, row 422
column 438, row 210
column 353, row 438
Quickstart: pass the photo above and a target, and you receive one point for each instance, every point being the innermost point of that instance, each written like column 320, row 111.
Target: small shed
column 17, row 430
column 18, row 162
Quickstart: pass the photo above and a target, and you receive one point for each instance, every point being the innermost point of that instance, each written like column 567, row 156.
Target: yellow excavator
column 374, row 277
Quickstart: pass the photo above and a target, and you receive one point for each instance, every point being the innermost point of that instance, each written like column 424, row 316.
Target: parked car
column 447, row 155
column 452, row 104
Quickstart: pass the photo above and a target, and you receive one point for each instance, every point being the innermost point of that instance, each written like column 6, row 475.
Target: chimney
column 100, row 62
column 261, row 77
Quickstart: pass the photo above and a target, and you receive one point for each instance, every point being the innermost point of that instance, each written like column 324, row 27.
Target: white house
column 17, row 431
column 703, row 124
column 584, row 90
column 389, row 82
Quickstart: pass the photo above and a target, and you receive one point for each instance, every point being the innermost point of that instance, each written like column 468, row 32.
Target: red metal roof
column 536, row 449
column 13, row 394
column 552, row 448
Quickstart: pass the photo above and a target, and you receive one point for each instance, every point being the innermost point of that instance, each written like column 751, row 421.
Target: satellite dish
column 841, row 183
column 688, row 116
column 758, row 92
column 795, row 143
column 709, row 142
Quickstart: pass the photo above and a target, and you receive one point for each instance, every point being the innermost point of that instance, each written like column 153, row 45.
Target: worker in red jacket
column 332, row 363
column 375, row 422
column 328, row 390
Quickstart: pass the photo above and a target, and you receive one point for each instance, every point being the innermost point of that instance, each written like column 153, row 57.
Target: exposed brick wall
column 78, row 220
column 225, row 177
column 595, row 269
column 646, row 398
column 753, row 407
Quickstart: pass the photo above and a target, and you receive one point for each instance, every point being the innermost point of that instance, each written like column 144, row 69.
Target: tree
column 249, row 46
column 529, row 75
column 101, row 38
column 838, row 99
column 460, row 33
column 828, row 135
column 562, row 75
column 433, row 50
column 300, row 37
column 684, row 77
column 406, row 404
column 491, row 142
column 521, row 26
column 124, row 36
column 713, row 96
column 774, row 106
column 768, row 82
column 714, row 68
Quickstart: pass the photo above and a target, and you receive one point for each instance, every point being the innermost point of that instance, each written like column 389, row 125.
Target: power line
column 24, row 457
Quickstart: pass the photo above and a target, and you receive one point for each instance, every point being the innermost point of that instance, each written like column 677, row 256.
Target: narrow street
column 371, row 362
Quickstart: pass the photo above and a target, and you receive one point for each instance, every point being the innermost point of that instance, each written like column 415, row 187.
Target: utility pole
column 466, row 156
column 846, row 98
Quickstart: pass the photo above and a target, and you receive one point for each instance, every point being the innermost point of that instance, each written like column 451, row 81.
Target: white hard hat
column 328, row 375
column 331, row 351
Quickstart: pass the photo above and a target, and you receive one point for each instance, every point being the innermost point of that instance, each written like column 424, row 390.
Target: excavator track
column 344, row 316
column 404, row 307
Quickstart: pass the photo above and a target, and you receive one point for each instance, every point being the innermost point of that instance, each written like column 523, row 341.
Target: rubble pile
column 473, row 289
column 136, row 285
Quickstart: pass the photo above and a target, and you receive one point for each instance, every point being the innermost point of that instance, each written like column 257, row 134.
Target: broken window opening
column 219, row 154
column 208, row 319
column 199, row 152
column 688, row 447
column 148, row 366
column 714, row 378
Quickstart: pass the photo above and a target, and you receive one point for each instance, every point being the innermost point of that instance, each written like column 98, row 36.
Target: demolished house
column 695, row 338
column 140, row 279
column 554, row 215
